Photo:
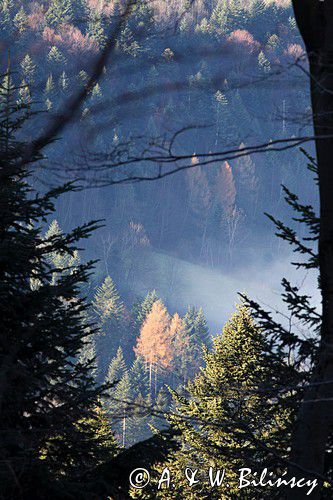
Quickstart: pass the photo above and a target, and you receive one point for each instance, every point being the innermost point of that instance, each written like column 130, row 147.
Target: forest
column 166, row 243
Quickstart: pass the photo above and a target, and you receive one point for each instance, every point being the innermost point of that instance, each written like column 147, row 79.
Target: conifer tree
column 181, row 346
column 106, row 445
column 28, row 68
column 109, row 311
column 24, row 96
column 200, row 329
column 83, row 77
column 301, row 346
column 49, row 92
column 44, row 391
column 96, row 93
column 117, row 367
column 95, row 28
column 95, row 445
column 219, row 17
column 87, row 354
column 230, row 408
column 55, row 58
column 238, row 14
column 62, row 263
column 141, row 419
column 59, row 12
column 21, row 21
column 63, row 82
column 142, row 309
column 197, row 330
column 120, row 397
column 263, row 62
column 6, row 14
column 119, row 405
column 127, row 42
column 139, row 378
column 107, row 303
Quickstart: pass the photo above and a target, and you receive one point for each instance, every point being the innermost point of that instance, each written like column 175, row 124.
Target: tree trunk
column 315, row 419
column 155, row 385
column 124, row 430
column 150, row 377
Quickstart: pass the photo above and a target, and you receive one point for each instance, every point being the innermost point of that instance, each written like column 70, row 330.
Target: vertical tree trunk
column 155, row 390
column 150, row 377
column 315, row 419
column 124, row 430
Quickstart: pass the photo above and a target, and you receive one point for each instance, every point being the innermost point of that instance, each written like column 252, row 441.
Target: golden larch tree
column 154, row 343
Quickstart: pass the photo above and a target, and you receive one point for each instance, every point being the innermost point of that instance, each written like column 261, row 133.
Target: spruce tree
column 232, row 405
column 95, row 444
column 219, row 17
column 119, row 398
column 181, row 345
column 127, row 42
column 62, row 263
column 49, row 93
column 59, row 12
column 6, row 14
column 63, row 82
column 95, row 28
column 200, row 329
column 21, row 21
column 24, row 96
column 197, row 330
column 142, row 309
column 238, row 14
column 263, row 62
column 119, row 405
column 96, row 94
column 196, row 324
column 106, row 445
column 28, row 68
column 141, row 419
column 45, row 390
column 117, row 367
column 55, row 58
column 139, row 377
column 108, row 311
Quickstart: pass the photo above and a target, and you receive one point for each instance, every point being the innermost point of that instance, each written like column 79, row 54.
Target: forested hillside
column 122, row 327
column 224, row 68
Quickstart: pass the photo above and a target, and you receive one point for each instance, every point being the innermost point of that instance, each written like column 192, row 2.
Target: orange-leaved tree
column 154, row 343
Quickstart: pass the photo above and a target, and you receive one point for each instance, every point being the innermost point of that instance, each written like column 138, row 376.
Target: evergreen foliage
column 95, row 28
column 109, row 311
column 45, row 390
column 117, row 367
column 28, row 68
column 230, row 410
column 59, row 12
column 139, row 377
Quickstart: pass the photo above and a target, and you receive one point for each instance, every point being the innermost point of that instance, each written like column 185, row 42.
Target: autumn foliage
column 155, row 342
